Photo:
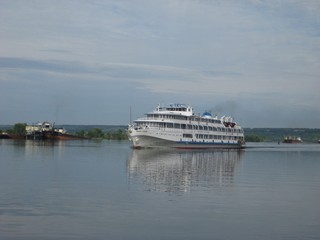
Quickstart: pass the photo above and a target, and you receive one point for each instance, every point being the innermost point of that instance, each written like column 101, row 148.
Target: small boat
column 176, row 126
column 4, row 135
column 46, row 130
column 292, row 139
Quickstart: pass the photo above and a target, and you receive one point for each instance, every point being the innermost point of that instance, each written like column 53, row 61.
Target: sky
column 89, row 62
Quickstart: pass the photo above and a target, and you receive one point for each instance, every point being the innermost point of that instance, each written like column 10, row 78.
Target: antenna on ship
column 130, row 114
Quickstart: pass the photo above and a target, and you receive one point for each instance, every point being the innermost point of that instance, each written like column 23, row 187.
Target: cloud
column 164, row 79
column 260, row 51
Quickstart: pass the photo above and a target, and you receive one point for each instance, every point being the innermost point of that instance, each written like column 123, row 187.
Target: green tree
column 254, row 138
column 121, row 134
column 95, row 133
column 81, row 133
column 19, row 128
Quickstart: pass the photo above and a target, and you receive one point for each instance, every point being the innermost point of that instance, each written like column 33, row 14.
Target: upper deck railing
column 176, row 109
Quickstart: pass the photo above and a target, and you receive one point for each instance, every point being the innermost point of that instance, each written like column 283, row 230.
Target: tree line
column 251, row 134
column 96, row 133
column 309, row 135
column 119, row 134
column 18, row 129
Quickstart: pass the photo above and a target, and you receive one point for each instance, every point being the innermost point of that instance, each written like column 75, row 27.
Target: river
column 107, row 190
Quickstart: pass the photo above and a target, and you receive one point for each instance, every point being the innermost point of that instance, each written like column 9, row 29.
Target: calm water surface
column 106, row 190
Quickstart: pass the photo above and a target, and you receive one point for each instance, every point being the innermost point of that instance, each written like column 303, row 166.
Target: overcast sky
column 87, row 62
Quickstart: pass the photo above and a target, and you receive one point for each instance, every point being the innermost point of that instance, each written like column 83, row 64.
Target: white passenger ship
column 177, row 126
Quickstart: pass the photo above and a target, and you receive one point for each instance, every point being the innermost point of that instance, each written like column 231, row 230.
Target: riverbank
column 70, row 132
column 117, row 132
column 308, row 135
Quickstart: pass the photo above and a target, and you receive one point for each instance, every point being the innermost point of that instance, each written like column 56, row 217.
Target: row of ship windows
column 193, row 118
column 209, row 136
column 189, row 127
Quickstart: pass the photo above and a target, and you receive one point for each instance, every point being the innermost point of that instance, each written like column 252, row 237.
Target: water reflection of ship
column 175, row 171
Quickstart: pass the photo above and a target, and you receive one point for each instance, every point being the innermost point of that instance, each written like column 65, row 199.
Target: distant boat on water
column 40, row 131
column 4, row 135
column 46, row 130
column 292, row 139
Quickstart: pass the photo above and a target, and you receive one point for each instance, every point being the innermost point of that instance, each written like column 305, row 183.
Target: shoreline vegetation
column 308, row 135
column 18, row 131
column 97, row 133
column 118, row 132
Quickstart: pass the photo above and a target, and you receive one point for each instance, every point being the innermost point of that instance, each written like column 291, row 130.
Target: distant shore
column 73, row 132
column 117, row 132
column 308, row 135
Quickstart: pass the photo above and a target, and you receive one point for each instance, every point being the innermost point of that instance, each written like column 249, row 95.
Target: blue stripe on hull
column 187, row 144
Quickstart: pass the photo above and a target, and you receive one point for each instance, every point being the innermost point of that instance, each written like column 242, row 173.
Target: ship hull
column 49, row 135
column 61, row 136
column 141, row 141
column 291, row 141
